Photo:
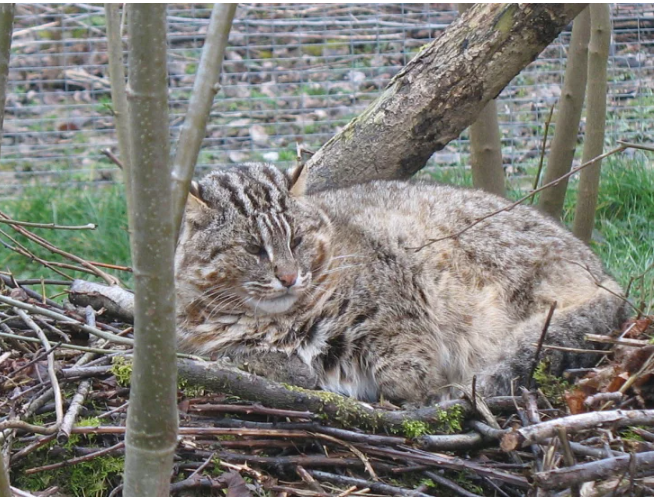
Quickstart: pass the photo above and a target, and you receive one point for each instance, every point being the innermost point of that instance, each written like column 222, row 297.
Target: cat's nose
column 287, row 278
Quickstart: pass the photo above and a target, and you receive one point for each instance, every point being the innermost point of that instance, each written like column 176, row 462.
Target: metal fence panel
column 293, row 72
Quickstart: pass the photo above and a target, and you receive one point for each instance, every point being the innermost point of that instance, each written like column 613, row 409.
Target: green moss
column 449, row 420
column 505, row 20
column 552, row 386
column 414, row 429
column 122, row 370
column 465, row 482
column 91, row 478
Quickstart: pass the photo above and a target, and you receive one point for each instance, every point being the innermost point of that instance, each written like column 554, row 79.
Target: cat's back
column 407, row 215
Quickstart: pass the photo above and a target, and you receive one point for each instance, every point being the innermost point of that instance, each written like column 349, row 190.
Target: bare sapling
column 569, row 114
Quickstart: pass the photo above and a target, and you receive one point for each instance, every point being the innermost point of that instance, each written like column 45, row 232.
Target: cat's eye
column 295, row 242
column 258, row 250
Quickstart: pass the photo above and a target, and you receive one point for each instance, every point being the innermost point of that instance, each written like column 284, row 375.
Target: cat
column 332, row 289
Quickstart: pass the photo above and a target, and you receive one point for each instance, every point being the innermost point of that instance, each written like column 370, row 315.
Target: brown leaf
column 575, row 400
column 618, row 382
column 236, row 485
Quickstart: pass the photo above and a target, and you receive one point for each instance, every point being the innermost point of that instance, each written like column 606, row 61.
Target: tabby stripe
column 265, row 235
column 275, row 186
column 236, row 194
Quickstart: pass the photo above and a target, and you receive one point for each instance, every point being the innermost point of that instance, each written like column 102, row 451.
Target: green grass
column 104, row 207
column 623, row 237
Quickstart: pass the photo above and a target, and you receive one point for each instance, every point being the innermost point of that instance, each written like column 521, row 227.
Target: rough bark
column 569, row 115
column 224, row 378
column 596, row 113
column 152, row 416
column 596, row 470
column 485, row 145
column 115, row 301
column 578, row 422
column 439, row 93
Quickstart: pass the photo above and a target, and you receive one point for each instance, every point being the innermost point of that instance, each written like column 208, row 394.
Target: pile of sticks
column 60, row 362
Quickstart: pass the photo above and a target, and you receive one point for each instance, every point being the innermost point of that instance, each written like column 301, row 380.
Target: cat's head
column 251, row 240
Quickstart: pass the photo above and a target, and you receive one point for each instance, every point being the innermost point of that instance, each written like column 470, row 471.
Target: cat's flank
column 327, row 289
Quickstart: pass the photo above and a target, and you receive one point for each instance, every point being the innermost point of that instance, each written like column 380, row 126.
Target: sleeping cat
column 330, row 290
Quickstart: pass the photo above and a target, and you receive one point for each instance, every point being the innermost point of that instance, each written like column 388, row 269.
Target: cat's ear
column 196, row 208
column 298, row 179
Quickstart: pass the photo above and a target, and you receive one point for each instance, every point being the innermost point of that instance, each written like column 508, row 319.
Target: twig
column 539, row 346
column 111, row 280
column 578, row 422
column 251, row 409
column 108, row 153
column 540, row 163
column 65, row 319
column 75, row 460
column 376, row 486
column 57, row 344
column 569, row 458
column 627, row 342
column 463, row 441
column 59, row 409
column 445, row 482
column 565, row 477
column 509, row 207
column 50, row 226
column 447, row 462
column 73, row 411
column 305, row 476
column 206, row 86
column 487, row 431
column 17, row 424
column 20, row 249
column 575, row 350
column 28, row 449
column 600, row 285
column 637, row 146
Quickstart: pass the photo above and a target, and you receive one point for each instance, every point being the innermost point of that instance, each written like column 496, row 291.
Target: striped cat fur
column 325, row 290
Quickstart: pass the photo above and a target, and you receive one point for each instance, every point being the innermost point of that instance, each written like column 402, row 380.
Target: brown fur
column 368, row 316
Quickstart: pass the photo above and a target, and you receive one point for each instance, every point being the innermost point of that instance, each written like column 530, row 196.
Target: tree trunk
column 568, row 118
column 152, row 423
column 6, row 29
column 439, row 93
column 596, row 113
column 485, row 146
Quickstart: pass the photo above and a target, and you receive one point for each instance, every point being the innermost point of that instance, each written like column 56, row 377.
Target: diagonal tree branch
column 439, row 93
column 206, row 86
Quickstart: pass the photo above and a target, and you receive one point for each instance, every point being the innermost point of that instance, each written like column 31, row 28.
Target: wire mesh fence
column 293, row 72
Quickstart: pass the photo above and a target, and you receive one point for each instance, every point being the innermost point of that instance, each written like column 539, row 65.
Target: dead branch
column 111, row 280
column 357, row 482
column 116, row 301
column 463, row 441
column 59, row 409
column 565, row 477
column 227, row 379
column 65, row 319
column 535, row 433
column 76, row 460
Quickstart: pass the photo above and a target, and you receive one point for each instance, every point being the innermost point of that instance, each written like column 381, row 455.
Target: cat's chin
column 276, row 305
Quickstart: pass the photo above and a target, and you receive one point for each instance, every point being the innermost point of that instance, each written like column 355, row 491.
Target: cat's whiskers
column 221, row 303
